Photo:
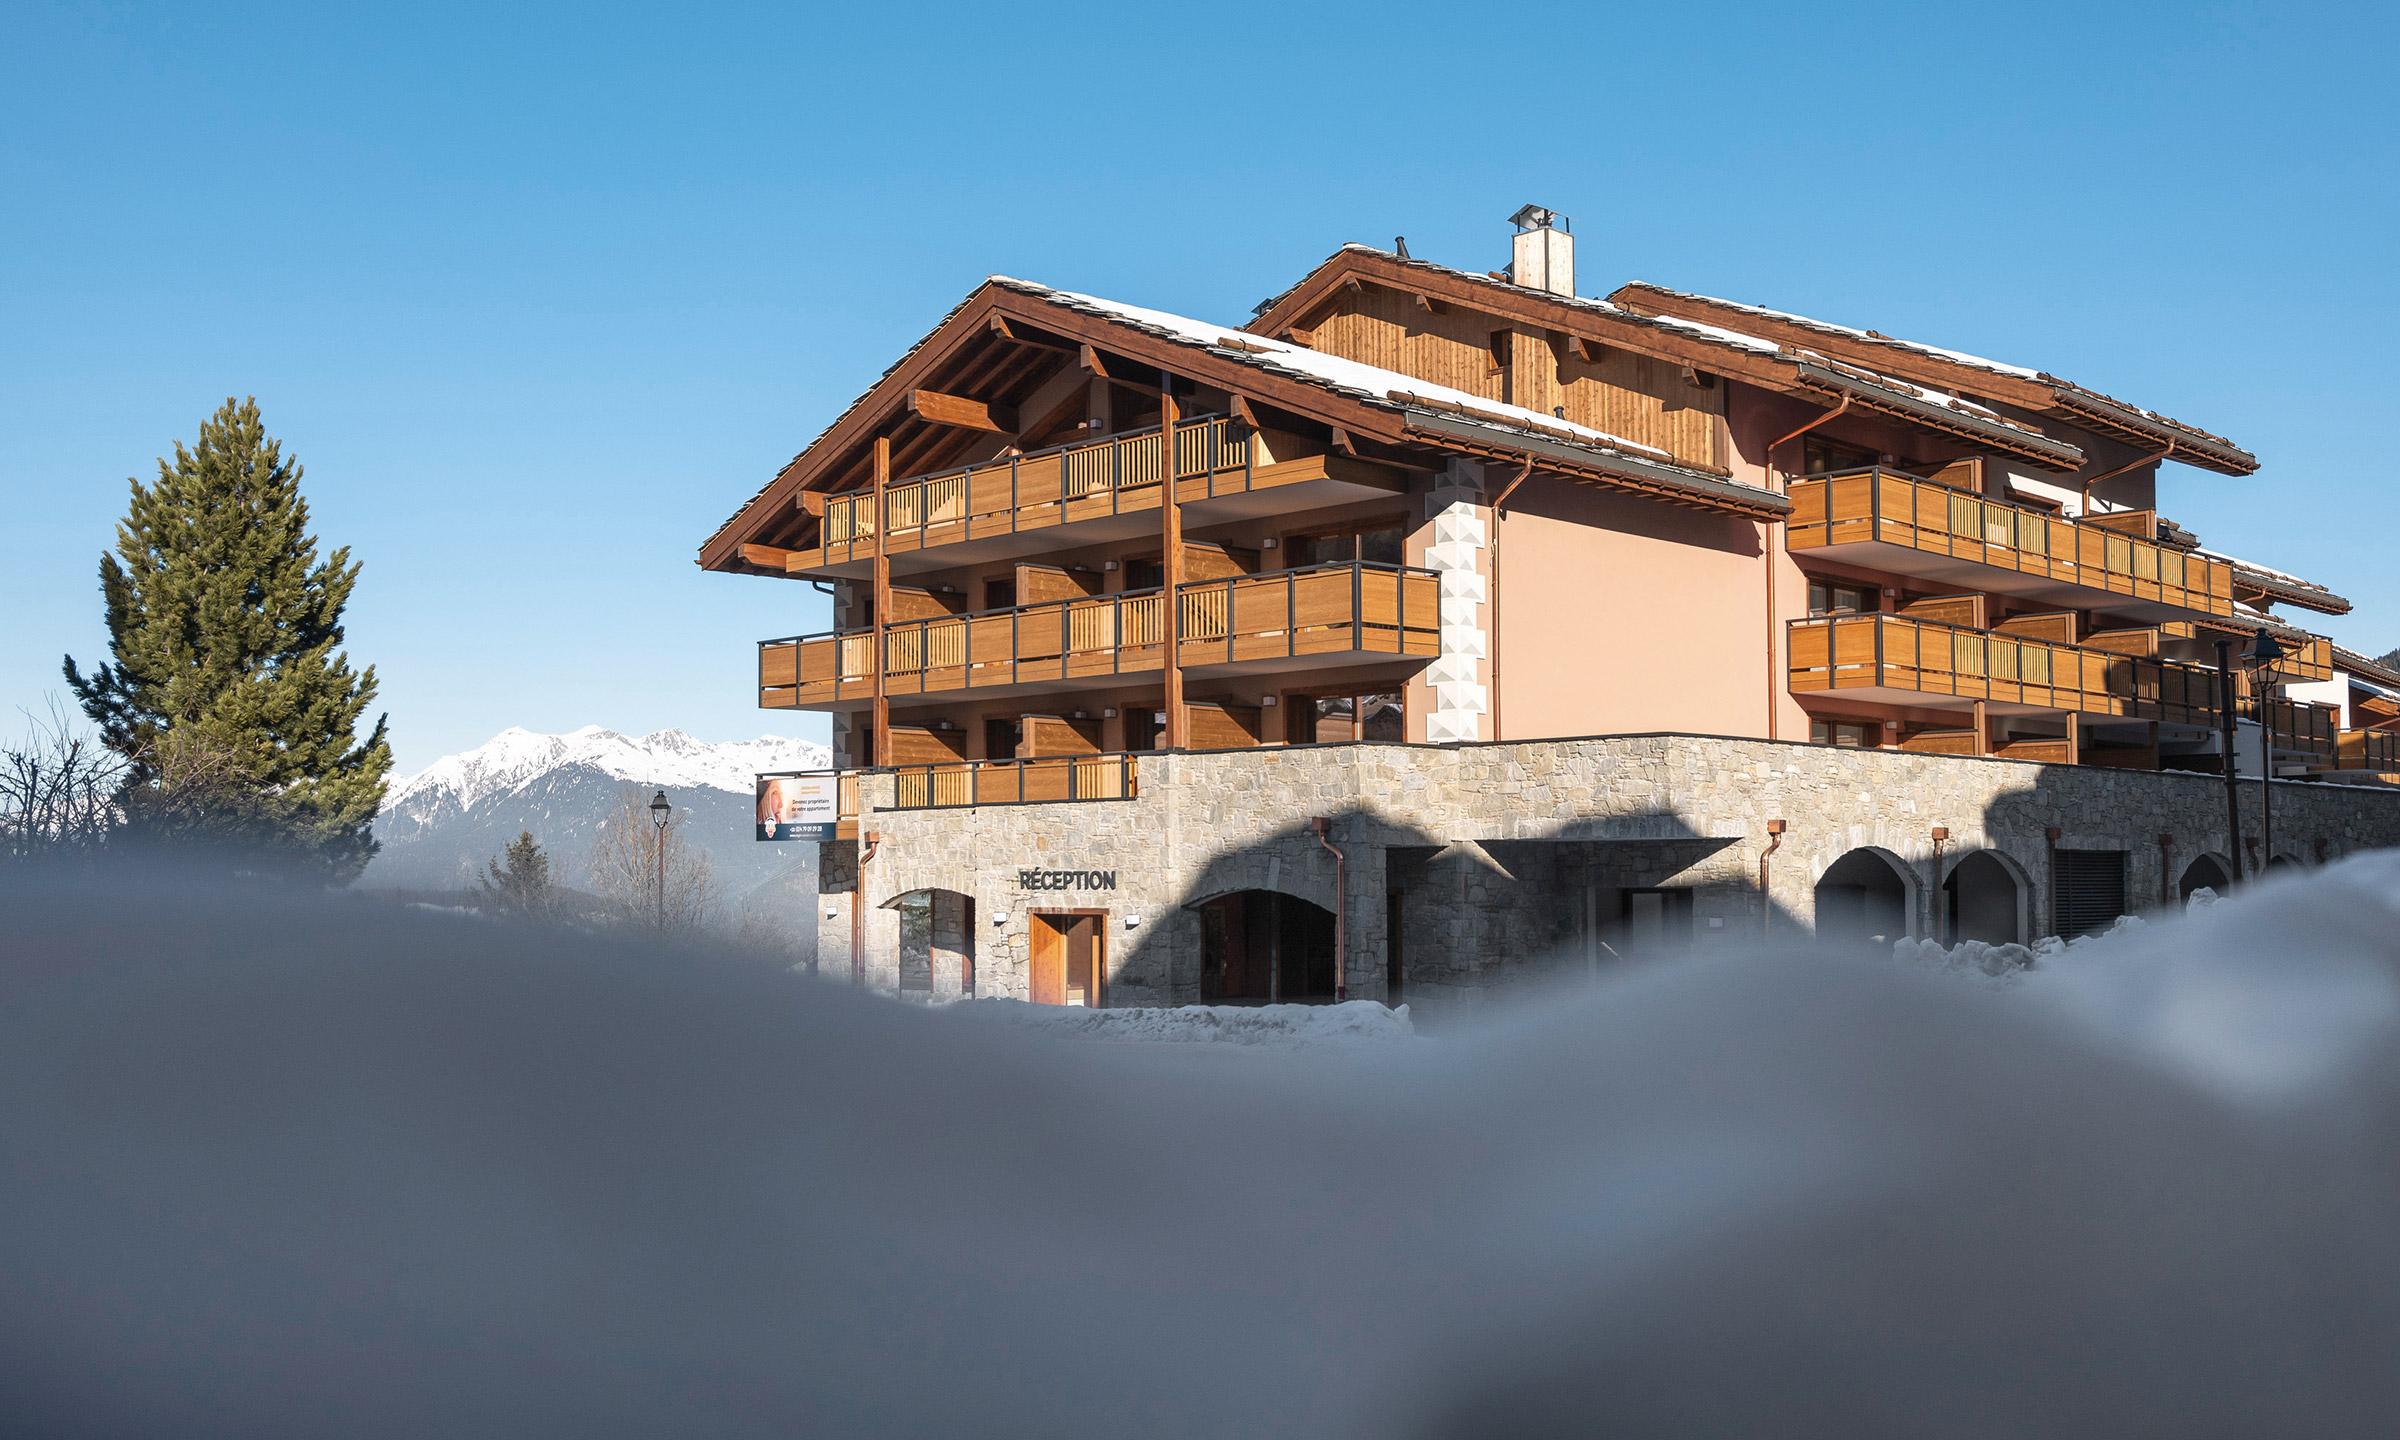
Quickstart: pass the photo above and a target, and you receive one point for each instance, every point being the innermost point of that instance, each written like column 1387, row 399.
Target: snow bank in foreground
column 1353, row 1022
column 329, row 1167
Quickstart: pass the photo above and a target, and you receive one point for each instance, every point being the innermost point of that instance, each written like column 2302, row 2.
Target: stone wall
column 1493, row 847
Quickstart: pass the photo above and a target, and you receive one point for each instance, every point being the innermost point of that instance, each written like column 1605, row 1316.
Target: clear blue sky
column 540, row 298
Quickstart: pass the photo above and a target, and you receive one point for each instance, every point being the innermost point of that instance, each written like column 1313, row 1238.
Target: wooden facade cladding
column 2306, row 656
column 1903, row 517
column 1350, row 609
column 1642, row 398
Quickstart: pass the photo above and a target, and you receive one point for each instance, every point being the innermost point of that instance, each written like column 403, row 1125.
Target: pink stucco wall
column 1620, row 614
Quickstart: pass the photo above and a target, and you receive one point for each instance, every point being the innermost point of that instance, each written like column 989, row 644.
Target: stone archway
column 1264, row 946
column 1867, row 896
column 2207, row 871
column 1984, row 898
column 937, row 942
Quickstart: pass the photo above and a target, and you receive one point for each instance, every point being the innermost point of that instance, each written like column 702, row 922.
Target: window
column 1384, row 543
column 1828, row 598
column 1826, row 457
column 1848, row 734
column 1331, row 719
column 1145, row 572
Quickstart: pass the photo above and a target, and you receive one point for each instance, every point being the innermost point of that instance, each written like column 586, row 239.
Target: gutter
column 2021, row 442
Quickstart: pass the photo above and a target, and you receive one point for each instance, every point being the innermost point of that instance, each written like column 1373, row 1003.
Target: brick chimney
column 1544, row 257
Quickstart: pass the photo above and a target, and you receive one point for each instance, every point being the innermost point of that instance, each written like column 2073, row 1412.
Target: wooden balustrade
column 1343, row 608
column 1924, row 658
column 1039, row 780
column 2376, row 750
column 1887, row 507
column 1081, row 481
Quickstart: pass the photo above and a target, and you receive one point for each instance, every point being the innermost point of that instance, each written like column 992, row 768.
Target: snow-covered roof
column 2281, row 584
column 1889, row 393
column 2372, row 674
column 1433, row 409
column 2075, row 396
column 1366, row 381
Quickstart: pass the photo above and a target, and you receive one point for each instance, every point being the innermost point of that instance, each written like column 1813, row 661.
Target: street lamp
column 2260, row 660
column 658, row 825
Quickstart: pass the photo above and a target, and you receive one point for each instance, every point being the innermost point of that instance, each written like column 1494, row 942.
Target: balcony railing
column 1041, row 780
column 1926, row 658
column 1348, row 607
column 1086, row 480
column 2377, row 750
column 1878, row 506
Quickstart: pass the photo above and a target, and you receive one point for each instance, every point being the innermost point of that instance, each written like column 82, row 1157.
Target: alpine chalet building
column 1437, row 629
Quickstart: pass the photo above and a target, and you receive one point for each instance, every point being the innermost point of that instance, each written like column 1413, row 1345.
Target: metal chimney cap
column 1534, row 217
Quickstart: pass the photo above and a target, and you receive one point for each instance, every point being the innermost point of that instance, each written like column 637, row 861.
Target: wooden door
column 1046, row 970
column 1066, row 965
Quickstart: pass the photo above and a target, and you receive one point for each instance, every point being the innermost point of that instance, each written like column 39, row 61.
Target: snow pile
column 318, row 1166
column 517, row 757
column 1352, row 1022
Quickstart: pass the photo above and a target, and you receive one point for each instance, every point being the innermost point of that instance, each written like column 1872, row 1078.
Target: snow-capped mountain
column 667, row 758
column 440, row 827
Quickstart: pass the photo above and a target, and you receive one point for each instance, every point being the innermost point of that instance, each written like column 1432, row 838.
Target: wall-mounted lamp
column 1108, row 565
column 1132, row 921
column 1269, row 543
column 1266, row 702
column 1109, row 714
column 833, row 912
column 1000, row 920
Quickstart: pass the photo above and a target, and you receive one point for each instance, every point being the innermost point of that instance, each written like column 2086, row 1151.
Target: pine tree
column 520, row 880
column 228, row 694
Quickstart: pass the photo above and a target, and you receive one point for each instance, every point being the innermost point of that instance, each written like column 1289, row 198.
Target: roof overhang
column 1671, row 483
column 2039, row 392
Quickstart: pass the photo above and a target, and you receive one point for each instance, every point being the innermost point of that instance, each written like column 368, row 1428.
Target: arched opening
column 1864, row 896
column 2206, row 872
column 1983, row 900
column 2282, row 864
column 1259, row 947
column 937, row 943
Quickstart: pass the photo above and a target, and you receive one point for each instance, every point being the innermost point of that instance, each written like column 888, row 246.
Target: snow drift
column 336, row 1167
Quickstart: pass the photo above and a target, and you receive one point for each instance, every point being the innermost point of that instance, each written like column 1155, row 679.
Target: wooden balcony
column 2375, row 750
column 1044, row 780
column 1897, row 660
column 1344, row 613
column 1073, row 494
column 1885, row 520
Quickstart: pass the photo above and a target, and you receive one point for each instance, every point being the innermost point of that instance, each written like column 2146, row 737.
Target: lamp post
column 658, row 827
column 2260, row 660
column 2227, row 735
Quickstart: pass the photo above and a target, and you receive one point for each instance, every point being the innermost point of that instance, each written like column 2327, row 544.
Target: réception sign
column 1066, row 879
column 798, row 807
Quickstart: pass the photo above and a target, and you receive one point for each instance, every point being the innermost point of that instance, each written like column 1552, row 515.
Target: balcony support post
column 2225, row 732
column 881, row 599
column 1171, row 561
column 1768, row 531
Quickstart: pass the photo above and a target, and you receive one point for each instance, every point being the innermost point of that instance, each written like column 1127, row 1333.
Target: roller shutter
column 2090, row 890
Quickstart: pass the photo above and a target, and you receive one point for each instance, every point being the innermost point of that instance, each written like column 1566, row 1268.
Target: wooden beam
column 1343, row 444
column 1171, row 560
column 1239, row 409
column 766, row 557
column 937, row 408
column 882, row 601
column 812, row 502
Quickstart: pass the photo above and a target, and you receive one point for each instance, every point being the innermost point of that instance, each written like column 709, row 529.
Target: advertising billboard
column 798, row 807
